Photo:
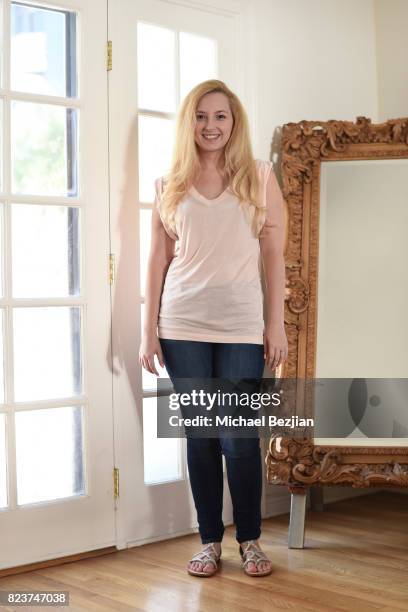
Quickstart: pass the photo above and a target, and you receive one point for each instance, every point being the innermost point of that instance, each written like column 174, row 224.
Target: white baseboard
column 403, row 490
column 277, row 502
column 278, row 497
column 333, row 494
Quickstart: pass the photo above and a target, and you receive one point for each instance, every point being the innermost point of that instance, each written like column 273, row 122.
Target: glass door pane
column 53, row 467
column 43, row 50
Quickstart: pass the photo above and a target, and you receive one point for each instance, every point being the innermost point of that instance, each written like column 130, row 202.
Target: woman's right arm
column 162, row 249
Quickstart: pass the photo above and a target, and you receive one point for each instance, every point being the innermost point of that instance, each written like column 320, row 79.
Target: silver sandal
column 253, row 554
column 208, row 555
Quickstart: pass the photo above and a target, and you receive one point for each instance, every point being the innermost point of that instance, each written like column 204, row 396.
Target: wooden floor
column 355, row 558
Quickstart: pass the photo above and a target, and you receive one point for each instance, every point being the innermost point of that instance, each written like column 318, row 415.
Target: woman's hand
column 275, row 345
column 149, row 347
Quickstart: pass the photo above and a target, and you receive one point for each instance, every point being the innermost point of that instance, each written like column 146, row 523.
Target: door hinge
column 109, row 55
column 116, row 482
column 111, row 268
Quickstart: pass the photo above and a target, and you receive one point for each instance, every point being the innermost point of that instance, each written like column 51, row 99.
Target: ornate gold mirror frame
column 298, row 463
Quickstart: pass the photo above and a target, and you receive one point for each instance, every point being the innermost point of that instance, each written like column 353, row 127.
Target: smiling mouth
column 211, row 136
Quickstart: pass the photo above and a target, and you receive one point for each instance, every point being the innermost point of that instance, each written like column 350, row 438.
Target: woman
column 223, row 208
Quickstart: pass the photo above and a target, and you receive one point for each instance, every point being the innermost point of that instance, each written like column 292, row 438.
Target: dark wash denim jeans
column 188, row 358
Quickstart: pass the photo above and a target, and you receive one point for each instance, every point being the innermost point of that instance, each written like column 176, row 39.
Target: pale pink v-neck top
column 212, row 290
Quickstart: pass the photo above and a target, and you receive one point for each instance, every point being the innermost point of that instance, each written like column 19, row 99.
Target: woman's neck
column 211, row 161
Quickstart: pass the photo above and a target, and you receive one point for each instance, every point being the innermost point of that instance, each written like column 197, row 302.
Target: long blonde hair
column 239, row 163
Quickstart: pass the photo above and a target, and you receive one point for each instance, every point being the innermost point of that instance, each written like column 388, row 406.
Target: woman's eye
column 199, row 117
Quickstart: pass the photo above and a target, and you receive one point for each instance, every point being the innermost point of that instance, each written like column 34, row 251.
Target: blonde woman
column 216, row 211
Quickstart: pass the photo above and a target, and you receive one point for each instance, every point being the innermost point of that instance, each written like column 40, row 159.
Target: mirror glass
column 362, row 300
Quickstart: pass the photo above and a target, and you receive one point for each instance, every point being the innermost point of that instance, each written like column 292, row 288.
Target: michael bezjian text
column 240, row 421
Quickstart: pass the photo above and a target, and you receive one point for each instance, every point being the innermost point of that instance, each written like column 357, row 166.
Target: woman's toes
column 262, row 567
column 196, row 566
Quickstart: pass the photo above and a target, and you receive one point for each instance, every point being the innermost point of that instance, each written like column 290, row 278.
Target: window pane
column 45, row 250
column 1, row 133
column 156, row 75
column 1, row 247
column 149, row 381
column 3, row 462
column 161, row 455
column 198, row 61
column 1, row 43
column 155, row 148
column 145, row 238
column 2, row 399
column 47, row 352
column 49, row 454
column 43, row 50
column 43, row 149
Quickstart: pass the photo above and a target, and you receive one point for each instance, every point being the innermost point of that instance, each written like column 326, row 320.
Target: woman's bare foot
column 213, row 550
column 258, row 565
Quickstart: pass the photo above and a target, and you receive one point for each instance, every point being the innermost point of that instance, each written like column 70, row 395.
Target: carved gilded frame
column 299, row 463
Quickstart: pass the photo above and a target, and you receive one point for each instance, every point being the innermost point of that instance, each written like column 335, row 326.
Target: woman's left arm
column 272, row 245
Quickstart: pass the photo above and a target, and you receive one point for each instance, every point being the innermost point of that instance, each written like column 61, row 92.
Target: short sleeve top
column 212, row 290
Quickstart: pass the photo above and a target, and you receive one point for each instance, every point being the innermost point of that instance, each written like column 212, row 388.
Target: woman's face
column 214, row 122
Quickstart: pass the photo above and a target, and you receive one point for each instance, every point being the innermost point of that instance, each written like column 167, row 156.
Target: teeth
column 211, row 137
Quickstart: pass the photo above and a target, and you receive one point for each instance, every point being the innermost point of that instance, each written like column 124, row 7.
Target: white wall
column 314, row 59
column 391, row 26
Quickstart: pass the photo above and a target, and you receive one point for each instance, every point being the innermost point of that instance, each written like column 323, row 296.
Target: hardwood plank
column 355, row 558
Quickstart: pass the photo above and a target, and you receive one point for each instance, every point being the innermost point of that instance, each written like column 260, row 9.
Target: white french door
column 56, row 422
column 160, row 50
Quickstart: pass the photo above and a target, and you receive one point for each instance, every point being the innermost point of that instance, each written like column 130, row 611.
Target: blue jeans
column 188, row 358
